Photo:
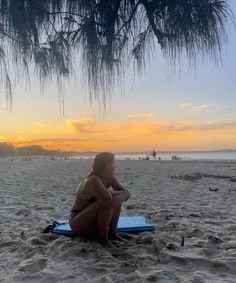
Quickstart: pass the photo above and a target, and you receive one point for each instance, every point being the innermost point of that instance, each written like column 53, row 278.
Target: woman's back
column 83, row 194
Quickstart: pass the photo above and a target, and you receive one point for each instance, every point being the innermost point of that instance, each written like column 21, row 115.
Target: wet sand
column 191, row 203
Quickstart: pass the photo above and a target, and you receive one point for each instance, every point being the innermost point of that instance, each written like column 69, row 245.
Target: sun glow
column 87, row 134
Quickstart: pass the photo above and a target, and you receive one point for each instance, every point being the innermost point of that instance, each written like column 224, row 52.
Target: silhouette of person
column 154, row 154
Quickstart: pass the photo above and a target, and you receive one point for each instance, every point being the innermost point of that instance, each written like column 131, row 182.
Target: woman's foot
column 127, row 236
column 117, row 237
column 106, row 243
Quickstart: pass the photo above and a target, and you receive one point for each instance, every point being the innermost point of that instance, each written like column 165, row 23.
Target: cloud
column 185, row 105
column 81, row 144
column 193, row 107
column 180, row 125
column 185, row 134
column 40, row 125
column 85, row 125
column 88, row 134
column 204, row 125
column 146, row 128
column 202, row 106
column 90, row 126
column 139, row 135
column 141, row 115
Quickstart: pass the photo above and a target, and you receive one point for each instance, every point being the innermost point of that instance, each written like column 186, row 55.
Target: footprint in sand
column 139, row 205
column 38, row 242
column 32, row 266
column 23, row 212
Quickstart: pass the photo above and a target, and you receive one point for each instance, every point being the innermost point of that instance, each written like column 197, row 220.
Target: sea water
column 185, row 155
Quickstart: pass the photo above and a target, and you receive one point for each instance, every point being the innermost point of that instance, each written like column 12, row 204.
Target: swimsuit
column 91, row 200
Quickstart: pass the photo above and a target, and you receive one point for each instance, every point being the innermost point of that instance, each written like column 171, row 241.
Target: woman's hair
column 100, row 162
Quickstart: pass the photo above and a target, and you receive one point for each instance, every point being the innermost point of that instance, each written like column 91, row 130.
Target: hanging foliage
column 107, row 34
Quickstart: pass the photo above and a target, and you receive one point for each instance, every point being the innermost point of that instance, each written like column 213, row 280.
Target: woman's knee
column 105, row 209
column 105, row 214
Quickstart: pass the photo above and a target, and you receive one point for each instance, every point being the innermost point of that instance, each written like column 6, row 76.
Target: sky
column 187, row 109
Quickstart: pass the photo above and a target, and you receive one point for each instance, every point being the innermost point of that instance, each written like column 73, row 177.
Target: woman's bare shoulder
column 115, row 184
column 93, row 179
column 86, row 185
column 114, row 179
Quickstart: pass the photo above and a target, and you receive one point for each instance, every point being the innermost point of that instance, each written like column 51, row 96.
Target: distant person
column 147, row 157
column 154, row 154
column 96, row 209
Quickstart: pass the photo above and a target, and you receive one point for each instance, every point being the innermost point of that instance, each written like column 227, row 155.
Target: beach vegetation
column 7, row 149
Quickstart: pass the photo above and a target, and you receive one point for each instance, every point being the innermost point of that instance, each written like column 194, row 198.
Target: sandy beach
column 189, row 202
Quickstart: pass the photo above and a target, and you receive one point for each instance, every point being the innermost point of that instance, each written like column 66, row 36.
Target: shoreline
column 123, row 158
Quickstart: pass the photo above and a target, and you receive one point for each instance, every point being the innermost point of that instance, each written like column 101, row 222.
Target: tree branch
column 159, row 34
column 129, row 19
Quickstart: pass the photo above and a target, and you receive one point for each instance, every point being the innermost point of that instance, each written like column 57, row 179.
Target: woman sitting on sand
column 96, row 209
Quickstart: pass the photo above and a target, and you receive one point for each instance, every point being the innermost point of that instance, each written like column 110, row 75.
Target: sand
column 173, row 195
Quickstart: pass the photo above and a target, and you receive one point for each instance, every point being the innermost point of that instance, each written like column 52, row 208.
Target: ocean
column 185, row 155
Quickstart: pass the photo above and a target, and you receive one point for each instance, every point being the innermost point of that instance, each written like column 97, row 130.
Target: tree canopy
column 108, row 35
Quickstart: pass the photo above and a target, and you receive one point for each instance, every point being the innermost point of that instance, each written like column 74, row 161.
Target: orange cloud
column 85, row 125
column 86, row 134
column 202, row 126
column 92, row 127
column 141, row 115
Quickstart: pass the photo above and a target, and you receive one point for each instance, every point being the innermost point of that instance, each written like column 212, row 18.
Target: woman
column 96, row 209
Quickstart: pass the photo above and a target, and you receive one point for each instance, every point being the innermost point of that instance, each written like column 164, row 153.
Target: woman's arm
column 119, row 197
column 104, row 196
column 118, row 188
column 116, row 185
column 115, row 193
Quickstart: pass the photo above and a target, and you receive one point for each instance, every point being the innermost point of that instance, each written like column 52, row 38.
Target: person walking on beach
column 95, row 209
column 154, row 154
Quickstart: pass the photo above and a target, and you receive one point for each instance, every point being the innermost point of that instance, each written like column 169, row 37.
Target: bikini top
column 92, row 199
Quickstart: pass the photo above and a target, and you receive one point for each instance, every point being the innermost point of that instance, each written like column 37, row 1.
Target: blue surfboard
column 127, row 224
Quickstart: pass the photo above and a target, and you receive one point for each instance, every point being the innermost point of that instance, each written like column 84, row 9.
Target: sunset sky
column 162, row 110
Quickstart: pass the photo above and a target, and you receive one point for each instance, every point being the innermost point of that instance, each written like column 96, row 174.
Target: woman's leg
column 85, row 221
column 103, row 220
column 114, row 220
column 93, row 219
column 112, row 234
